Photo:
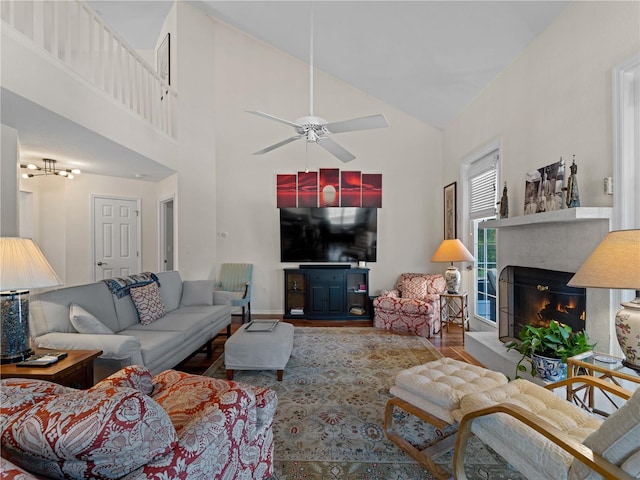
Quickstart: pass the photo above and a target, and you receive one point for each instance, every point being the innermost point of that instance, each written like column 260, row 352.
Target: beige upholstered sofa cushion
column 617, row 440
column 438, row 386
column 535, row 456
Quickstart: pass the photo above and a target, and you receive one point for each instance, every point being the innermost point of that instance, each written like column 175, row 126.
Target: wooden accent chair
column 539, row 433
column 235, row 280
column 545, row 436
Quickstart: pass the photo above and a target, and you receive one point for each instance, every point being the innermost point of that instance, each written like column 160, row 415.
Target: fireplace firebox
column 534, row 296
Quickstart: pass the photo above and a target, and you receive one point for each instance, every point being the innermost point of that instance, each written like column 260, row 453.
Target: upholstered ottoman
column 432, row 392
column 437, row 387
column 259, row 350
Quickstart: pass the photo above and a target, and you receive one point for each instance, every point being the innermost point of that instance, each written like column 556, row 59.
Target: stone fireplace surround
column 560, row 240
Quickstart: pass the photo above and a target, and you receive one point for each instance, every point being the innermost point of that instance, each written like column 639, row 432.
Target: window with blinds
column 482, row 184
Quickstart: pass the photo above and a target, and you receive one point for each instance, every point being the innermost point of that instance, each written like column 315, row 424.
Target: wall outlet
column 608, row 185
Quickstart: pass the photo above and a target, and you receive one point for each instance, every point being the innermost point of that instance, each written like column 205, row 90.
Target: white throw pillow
column 617, row 440
column 197, row 292
column 84, row 322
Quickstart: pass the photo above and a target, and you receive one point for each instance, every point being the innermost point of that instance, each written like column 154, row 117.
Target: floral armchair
column 413, row 306
column 134, row 426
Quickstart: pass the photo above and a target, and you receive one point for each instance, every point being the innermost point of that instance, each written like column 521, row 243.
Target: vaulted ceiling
column 430, row 59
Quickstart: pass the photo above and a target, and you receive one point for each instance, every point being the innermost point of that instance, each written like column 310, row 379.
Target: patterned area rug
column 329, row 422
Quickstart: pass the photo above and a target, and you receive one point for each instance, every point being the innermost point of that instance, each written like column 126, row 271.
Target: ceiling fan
column 316, row 129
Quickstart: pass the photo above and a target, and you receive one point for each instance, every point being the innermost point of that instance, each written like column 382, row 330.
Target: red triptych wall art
column 287, row 191
column 329, row 188
column 329, row 193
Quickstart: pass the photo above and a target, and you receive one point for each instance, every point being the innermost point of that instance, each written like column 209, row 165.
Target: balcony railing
column 73, row 33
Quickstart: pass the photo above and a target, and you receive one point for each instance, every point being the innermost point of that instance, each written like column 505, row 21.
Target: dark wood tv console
column 333, row 292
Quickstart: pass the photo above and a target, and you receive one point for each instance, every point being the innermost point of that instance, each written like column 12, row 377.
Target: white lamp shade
column 615, row 263
column 452, row 251
column 23, row 266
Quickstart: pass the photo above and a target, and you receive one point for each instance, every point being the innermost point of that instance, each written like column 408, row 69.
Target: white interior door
column 116, row 237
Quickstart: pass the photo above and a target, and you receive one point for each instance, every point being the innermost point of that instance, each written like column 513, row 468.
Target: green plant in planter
column 554, row 341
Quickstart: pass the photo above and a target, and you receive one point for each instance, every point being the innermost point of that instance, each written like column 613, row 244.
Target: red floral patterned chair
column 413, row 306
column 134, row 426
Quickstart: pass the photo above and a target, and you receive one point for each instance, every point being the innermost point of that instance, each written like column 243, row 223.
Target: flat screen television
column 328, row 234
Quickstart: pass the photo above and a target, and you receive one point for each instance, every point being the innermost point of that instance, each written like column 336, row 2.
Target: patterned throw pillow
column 414, row 288
column 148, row 303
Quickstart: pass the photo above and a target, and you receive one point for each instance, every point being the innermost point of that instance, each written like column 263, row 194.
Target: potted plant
column 547, row 349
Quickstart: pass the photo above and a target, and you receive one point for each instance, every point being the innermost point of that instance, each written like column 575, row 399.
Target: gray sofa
column 190, row 322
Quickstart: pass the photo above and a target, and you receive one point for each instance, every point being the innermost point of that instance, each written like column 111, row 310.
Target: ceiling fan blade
column 271, row 117
column 362, row 123
column 279, row 144
column 335, row 149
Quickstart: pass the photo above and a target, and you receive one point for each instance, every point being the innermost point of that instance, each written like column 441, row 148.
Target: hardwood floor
column 450, row 345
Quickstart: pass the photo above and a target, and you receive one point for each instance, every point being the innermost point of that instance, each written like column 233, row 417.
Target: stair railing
column 77, row 36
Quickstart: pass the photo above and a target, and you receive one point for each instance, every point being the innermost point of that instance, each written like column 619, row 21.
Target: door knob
column 101, row 263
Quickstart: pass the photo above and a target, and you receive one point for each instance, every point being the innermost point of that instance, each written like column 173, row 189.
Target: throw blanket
column 120, row 286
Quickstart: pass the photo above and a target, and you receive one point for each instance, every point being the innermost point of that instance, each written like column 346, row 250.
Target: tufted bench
column 433, row 392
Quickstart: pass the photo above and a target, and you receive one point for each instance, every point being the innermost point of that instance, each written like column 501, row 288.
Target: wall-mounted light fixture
column 48, row 169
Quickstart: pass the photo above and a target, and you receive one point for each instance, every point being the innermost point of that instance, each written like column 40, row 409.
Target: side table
column 454, row 309
column 599, row 365
column 75, row 370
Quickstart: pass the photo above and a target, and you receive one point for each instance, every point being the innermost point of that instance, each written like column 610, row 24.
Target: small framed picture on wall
column 450, row 207
column 163, row 59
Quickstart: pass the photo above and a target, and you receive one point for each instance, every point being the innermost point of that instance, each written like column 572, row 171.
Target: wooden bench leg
column 422, row 458
column 229, row 374
column 280, row 372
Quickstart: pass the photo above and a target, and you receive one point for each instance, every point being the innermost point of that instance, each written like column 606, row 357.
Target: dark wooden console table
column 331, row 292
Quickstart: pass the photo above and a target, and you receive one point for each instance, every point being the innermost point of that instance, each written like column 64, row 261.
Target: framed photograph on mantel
column 163, row 59
column 450, row 207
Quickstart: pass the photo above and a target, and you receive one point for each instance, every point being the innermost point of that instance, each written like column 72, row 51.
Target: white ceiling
column 429, row 59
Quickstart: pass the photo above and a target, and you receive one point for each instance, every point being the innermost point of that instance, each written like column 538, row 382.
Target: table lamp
column 22, row 266
column 452, row 251
column 615, row 263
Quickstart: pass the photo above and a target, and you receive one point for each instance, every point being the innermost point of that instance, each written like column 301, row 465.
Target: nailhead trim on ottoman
column 437, row 387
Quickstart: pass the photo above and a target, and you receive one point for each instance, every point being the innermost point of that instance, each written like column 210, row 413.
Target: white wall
column 250, row 75
column 10, row 151
column 194, row 78
column 553, row 101
column 63, row 214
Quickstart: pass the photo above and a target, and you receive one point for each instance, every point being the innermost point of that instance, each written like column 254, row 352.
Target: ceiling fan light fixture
column 316, row 129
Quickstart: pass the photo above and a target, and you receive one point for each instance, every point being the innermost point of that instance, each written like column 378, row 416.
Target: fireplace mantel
column 565, row 215
column 560, row 240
